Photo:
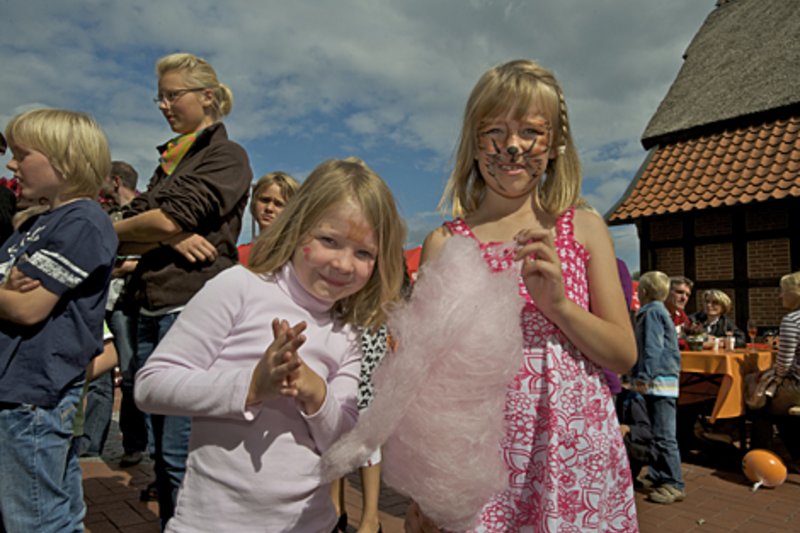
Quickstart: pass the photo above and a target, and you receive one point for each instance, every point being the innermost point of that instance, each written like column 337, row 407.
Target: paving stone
column 717, row 500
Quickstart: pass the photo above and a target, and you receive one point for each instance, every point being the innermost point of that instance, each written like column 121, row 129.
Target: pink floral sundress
column 567, row 466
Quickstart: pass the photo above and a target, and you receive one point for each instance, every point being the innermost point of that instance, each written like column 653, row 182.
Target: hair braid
column 562, row 118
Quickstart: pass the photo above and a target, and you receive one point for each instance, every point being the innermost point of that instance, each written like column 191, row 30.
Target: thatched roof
column 744, row 60
column 728, row 131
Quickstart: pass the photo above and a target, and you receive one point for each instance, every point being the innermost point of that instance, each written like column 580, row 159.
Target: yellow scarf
column 176, row 149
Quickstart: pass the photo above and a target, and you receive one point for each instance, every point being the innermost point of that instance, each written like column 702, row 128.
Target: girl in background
column 270, row 194
column 374, row 345
column 517, row 178
column 261, row 419
column 373, row 349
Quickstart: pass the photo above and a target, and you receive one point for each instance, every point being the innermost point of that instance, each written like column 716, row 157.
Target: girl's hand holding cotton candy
column 271, row 376
column 541, row 270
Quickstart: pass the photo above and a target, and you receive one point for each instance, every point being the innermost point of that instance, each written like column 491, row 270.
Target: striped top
column 788, row 362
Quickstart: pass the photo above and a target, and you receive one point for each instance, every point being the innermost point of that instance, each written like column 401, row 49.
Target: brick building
column 717, row 198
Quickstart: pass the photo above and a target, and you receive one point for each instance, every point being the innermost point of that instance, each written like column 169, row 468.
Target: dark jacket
column 720, row 327
column 207, row 195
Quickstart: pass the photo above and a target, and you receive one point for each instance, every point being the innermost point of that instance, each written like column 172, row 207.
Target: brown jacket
column 207, row 195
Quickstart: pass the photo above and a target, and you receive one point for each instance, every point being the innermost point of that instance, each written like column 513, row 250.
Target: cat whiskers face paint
column 510, row 150
column 493, row 159
column 532, row 156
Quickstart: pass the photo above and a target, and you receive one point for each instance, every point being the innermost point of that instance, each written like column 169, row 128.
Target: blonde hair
column 332, row 183
column 73, row 143
column 790, row 283
column 286, row 184
column 515, row 87
column 199, row 73
column 718, row 296
column 653, row 285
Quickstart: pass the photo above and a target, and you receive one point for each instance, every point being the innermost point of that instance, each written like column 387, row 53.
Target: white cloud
column 383, row 78
column 626, row 245
column 419, row 225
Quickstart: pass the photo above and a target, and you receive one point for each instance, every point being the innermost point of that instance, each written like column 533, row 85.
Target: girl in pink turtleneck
column 266, row 359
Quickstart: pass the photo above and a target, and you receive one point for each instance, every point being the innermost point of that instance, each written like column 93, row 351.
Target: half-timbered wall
column 742, row 250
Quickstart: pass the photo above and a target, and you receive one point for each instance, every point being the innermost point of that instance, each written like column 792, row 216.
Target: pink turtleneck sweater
column 251, row 468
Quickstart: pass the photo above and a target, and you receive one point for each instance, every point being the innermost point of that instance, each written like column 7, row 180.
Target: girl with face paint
column 266, row 359
column 514, row 190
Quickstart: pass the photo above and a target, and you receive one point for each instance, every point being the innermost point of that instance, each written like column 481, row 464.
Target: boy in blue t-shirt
column 51, row 324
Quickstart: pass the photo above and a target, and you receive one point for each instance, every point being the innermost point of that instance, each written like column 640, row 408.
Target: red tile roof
column 749, row 164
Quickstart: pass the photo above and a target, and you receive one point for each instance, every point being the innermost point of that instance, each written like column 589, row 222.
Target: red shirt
column 680, row 319
column 244, row 253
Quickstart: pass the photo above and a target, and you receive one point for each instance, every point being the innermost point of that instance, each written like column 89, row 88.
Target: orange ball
column 763, row 467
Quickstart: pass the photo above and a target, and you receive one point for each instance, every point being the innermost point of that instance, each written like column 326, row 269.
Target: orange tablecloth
column 731, row 366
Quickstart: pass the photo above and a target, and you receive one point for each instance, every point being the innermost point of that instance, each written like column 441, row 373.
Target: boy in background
column 49, row 334
column 655, row 376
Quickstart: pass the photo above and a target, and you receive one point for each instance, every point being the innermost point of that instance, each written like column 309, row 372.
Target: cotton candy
column 438, row 404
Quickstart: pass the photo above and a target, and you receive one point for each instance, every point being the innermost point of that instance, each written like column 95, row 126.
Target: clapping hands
column 282, row 372
column 272, row 375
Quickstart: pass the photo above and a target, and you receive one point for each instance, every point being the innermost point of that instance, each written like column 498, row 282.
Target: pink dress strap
column 565, row 228
column 498, row 255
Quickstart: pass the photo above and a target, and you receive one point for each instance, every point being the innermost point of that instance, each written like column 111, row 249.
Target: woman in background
column 714, row 317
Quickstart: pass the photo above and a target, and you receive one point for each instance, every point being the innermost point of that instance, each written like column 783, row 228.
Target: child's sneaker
column 666, row 494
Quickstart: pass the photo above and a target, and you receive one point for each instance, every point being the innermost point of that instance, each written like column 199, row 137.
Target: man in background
column 680, row 289
column 118, row 190
column 120, row 186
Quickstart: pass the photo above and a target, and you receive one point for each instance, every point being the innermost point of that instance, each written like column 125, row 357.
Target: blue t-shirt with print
column 70, row 250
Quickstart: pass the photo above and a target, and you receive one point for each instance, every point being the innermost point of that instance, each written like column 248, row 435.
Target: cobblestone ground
column 719, row 498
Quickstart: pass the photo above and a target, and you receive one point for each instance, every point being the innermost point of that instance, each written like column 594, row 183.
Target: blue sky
column 385, row 80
